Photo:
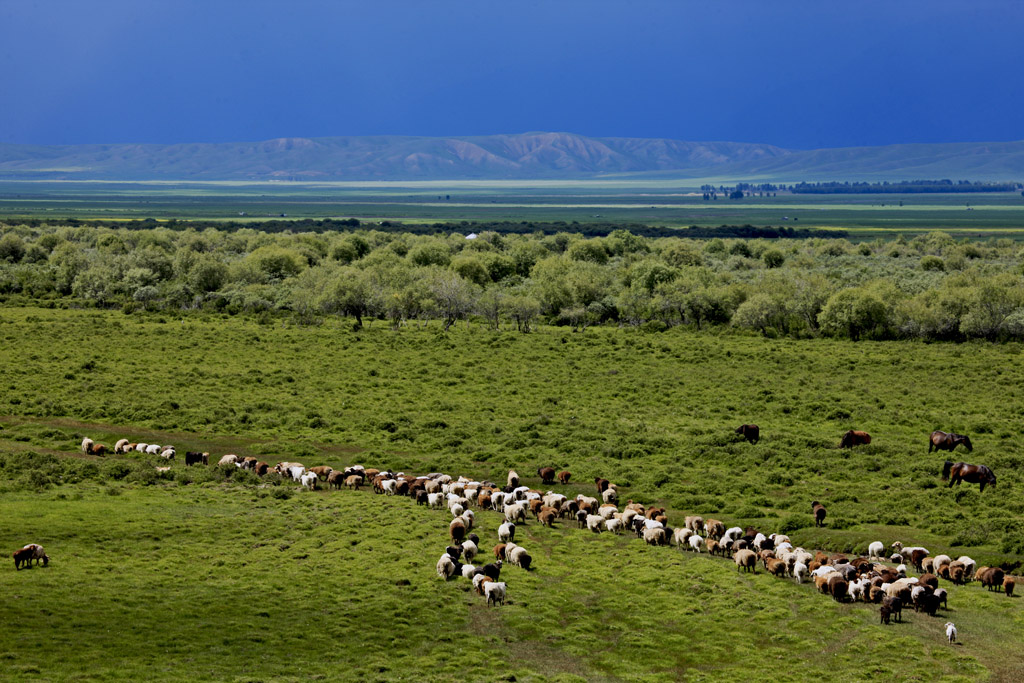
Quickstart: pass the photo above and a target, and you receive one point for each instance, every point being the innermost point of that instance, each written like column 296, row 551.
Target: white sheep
column 121, row 446
column 731, row 535
column 495, row 592
column 653, row 524
column 696, row 542
column 594, row 523
column 309, row 480
column 783, row 547
column 477, row 580
column 167, row 454
column 681, row 536
column 969, row 565
column 610, row 495
column 823, row 570
column 779, row 539
column 941, row 560
column 517, row 556
column 607, row 511
column 498, row 499
column 456, row 509
column 298, row 470
column 468, row 570
column 875, row 550
column 654, row 535
column 628, row 515
column 950, row 632
column 445, row 566
column 153, row 449
column 799, row 572
column 390, row 487
column 435, row 500
column 469, row 518
column 141, row 447
column 614, row 525
column 469, row 550
column 515, row 513
column 902, row 571
column 507, row 532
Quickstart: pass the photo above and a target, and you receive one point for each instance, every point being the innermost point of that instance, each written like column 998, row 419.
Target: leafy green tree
column 12, row 248
column 773, row 258
column 454, row 296
column 470, row 267
column 524, row 309
column 592, row 250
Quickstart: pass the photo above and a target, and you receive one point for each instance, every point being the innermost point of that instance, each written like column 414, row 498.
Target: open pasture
column 184, row 575
column 651, row 202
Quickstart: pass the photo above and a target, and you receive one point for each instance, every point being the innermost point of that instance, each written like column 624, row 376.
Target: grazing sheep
column 610, row 496
column 950, row 632
column 168, row 454
column 819, row 513
column 696, row 542
column 884, row 613
column 714, row 529
column 479, row 581
column 162, row 469
column 775, row 567
column 495, row 591
column 745, row 559
column 469, row 571
column 87, row 445
column 799, row 572
column 694, row 523
column 435, row 500
column 547, row 517
column 447, row 567
column 969, row 565
column 751, row 433
column 546, row 474
column 942, row 596
column 956, row 573
column 322, row 471
column 513, row 479
column 515, row 513
column 32, row 551
column 601, row 484
column 456, row 509
column 141, row 447
column 352, row 481
column 838, row 587
column 876, row 549
column 389, row 486
column 469, row 550
column 563, row 477
column 654, row 536
column 457, row 529
column 493, row 569
column 309, row 480
column 501, row 551
column 519, row 557
column 992, row 578
column 1009, row 583
column 231, row 459
column 681, row 536
column 595, row 522
column 153, row 449
column 713, row 546
column 507, row 532
column 614, row 525
column 121, row 446
column 895, row 605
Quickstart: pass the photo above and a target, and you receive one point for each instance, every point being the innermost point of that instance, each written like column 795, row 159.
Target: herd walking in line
column 864, row 578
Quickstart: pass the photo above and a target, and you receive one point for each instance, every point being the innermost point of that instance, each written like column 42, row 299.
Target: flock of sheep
column 863, row 578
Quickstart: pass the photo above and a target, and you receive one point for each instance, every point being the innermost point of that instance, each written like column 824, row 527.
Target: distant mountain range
column 553, row 156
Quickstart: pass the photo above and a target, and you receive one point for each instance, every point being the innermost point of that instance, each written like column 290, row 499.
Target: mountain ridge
column 534, row 155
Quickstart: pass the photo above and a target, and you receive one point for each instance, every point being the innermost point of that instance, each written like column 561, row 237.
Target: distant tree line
column 903, row 187
column 932, row 287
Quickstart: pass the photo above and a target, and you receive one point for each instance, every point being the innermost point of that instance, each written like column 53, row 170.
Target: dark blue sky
column 794, row 74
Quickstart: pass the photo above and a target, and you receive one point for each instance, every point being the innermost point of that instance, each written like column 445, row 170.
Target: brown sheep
column 838, row 587
column 335, row 479
column 819, row 513
column 876, row 594
column 563, row 477
column 713, row 547
column 546, row 474
column 547, row 517
column 956, row 575
column 535, row 505
column 714, row 528
column 821, row 583
column 775, row 566
column 261, row 467
column 484, row 501
column 370, row 473
column 321, row 471
column 749, row 432
column 745, row 559
column 820, row 557
column 98, row 449
column 694, row 523
column 993, row 578
column 457, row 530
column 354, row 480
column 1008, row 585
column 854, row 438
column 929, row 580
column 917, row 557
column 812, row 565
column 483, row 582
column 499, row 551
column 601, row 484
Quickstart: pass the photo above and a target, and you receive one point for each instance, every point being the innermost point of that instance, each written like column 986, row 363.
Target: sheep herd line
column 864, row 578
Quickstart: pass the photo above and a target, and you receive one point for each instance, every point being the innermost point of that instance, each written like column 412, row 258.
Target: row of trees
column 931, row 287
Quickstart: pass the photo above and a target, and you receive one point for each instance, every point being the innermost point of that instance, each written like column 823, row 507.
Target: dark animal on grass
column 546, row 474
column 992, row 578
column 838, row 587
column 421, row 497
column 261, row 467
column 563, row 477
column 457, row 530
column 972, row 474
column 895, row 606
column 1009, row 583
column 335, row 479
column 943, row 441
column 602, row 484
column 33, row 551
column 493, row 570
column 455, row 551
column 884, row 612
column 499, row 551
column 196, row 457
column 854, row 438
column 749, row 432
column 819, row 513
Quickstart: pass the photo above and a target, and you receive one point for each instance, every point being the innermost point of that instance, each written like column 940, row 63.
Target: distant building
column 472, row 236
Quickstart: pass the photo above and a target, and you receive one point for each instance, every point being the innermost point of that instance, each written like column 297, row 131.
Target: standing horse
column 941, row 441
column 972, row 474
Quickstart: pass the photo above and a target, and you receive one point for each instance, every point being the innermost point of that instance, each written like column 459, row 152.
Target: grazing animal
column 992, row 578
column 714, row 529
column 942, row 441
column 745, row 559
column 309, row 480
column 972, row 474
column 819, row 513
column 513, row 479
column 854, row 438
column 168, row 454
column 87, row 444
column 457, row 529
column 336, row 479
column 354, row 480
column 153, row 449
column 546, row 474
column 260, row 468
column 749, row 432
column 507, row 532
column 121, row 446
column 322, row 471
column 875, row 550
column 601, row 484
column 495, row 591
column 231, row 459
column 563, row 477
column 895, row 605
column 196, row 457
column 492, row 570
column 1009, row 583
column 838, row 587
column 33, row 551
column 950, row 632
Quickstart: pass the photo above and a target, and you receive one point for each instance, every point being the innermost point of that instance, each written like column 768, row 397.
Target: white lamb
column 681, row 536
column 799, row 572
column 467, row 570
column 696, row 542
column 613, row 525
column 507, row 532
column 390, row 486
column 435, row 500
column 950, row 632
column 495, row 592
column 875, row 550
column 594, row 523
column 309, row 480
column 445, row 566
column 153, row 449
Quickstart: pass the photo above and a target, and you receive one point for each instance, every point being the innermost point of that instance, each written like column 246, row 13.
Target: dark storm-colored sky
column 794, row 74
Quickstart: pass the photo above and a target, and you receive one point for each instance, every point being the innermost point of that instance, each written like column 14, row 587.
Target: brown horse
column 942, row 441
column 749, row 432
column 972, row 474
column 854, row 438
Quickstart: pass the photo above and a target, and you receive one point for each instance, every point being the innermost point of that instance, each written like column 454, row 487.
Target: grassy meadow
column 660, row 202
column 204, row 574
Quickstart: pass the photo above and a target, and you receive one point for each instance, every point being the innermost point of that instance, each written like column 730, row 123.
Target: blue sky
column 794, row 74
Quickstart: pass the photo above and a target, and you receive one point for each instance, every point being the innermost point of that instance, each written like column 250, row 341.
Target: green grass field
column 188, row 576
column 652, row 202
